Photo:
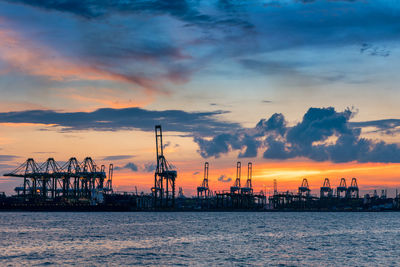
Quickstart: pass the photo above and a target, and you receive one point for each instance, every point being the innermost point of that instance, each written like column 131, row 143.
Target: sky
column 300, row 88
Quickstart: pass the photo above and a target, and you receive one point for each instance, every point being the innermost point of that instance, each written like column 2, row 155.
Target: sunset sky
column 301, row 88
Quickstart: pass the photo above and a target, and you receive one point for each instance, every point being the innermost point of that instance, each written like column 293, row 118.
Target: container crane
column 164, row 176
column 236, row 186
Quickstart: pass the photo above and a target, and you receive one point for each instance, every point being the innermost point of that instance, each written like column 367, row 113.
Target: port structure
column 341, row 190
column 304, row 190
column 108, row 188
column 352, row 190
column 345, row 197
column 50, row 180
column 164, row 177
column 248, row 188
column 240, row 197
column 326, row 189
column 203, row 191
column 235, row 189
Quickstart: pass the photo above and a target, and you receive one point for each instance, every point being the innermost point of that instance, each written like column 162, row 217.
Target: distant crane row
column 326, row 191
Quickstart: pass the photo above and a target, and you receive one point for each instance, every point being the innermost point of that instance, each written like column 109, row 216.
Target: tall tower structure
column 164, row 176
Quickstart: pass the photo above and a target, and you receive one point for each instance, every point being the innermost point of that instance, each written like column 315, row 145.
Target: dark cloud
column 246, row 140
column 118, row 157
column 276, row 123
column 6, row 166
column 166, row 144
column 132, row 166
column 220, row 144
column 323, row 135
column 251, row 146
column 372, row 50
column 267, row 67
column 389, row 126
column 195, row 173
column 276, row 149
column 108, row 119
column 184, row 10
column 149, row 167
column 7, row 157
column 223, row 178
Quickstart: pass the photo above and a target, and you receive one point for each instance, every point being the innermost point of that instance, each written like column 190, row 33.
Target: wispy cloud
column 108, row 119
column 131, row 166
column 223, row 178
column 118, row 157
column 7, row 157
column 149, row 167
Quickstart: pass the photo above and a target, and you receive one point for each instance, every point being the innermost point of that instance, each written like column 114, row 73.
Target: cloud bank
column 323, row 135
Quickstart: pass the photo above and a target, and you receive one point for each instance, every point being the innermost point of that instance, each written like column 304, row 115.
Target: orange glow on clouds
column 106, row 97
column 33, row 59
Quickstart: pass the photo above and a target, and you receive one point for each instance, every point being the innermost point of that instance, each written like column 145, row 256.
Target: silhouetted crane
column 248, row 188
column 203, row 190
column 326, row 190
column 352, row 190
column 304, row 189
column 164, row 176
column 236, row 186
column 342, row 188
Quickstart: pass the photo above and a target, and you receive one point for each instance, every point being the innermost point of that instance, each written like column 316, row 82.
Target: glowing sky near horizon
column 83, row 78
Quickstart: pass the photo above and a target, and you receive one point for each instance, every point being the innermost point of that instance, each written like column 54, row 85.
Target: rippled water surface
column 197, row 239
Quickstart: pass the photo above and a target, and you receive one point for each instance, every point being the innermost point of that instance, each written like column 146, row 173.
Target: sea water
column 199, row 239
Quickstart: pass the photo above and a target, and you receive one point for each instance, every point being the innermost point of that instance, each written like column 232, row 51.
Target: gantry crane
column 203, row 191
column 304, row 189
column 248, row 188
column 352, row 190
column 164, row 176
column 236, row 186
column 50, row 180
column 342, row 188
column 109, row 187
column 326, row 189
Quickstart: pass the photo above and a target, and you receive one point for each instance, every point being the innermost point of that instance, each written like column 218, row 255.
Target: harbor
column 85, row 186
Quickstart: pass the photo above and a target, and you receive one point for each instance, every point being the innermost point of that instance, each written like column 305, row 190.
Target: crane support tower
column 326, row 189
column 203, row 191
column 109, row 188
column 352, row 190
column 304, row 189
column 248, row 189
column 342, row 188
column 164, row 176
column 236, row 186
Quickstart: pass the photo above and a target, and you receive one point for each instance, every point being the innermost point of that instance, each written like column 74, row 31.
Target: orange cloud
column 105, row 97
column 26, row 56
column 6, row 106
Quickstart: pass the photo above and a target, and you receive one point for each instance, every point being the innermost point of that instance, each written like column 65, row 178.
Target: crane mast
column 164, row 176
